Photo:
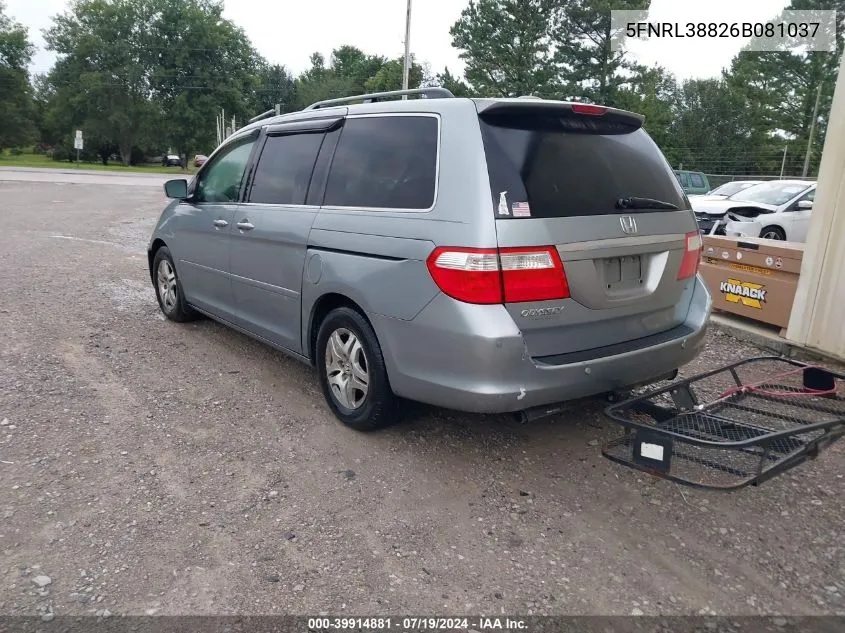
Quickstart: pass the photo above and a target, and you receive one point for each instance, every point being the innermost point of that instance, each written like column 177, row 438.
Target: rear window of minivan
column 543, row 166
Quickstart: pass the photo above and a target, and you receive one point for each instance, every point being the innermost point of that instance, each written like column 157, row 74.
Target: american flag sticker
column 521, row 210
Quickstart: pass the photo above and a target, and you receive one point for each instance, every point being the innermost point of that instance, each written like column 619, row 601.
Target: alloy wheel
column 346, row 369
column 167, row 289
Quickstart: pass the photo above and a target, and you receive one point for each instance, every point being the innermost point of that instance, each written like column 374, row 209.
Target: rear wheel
column 352, row 373
column 773, row 233
column 169, row 293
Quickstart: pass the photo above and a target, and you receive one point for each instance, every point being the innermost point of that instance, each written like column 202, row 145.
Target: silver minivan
column 485, row 255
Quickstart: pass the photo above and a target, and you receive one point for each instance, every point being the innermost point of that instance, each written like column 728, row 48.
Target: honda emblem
column 629, row 224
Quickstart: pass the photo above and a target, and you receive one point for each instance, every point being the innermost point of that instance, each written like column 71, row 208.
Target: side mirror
column 176, row 188
column 804, row 205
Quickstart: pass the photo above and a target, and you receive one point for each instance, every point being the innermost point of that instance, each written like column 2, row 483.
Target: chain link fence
column 717, row 180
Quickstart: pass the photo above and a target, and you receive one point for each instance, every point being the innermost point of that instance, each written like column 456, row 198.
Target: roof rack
column 429, row 93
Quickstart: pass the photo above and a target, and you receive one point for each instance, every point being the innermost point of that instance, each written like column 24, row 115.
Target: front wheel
column 773, row 233
column 169, row 293
column 352, row 373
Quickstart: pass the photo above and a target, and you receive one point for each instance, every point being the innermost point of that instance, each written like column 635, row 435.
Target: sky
column 289, row 31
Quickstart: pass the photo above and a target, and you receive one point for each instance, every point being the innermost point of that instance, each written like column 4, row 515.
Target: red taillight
column 588, row 108
column 467, row 274
column 507, row 275
column 532, row 274
column 692, row 255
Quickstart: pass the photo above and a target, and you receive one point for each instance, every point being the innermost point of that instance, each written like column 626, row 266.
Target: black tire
column 773, row 233
column 377, row 407
column 174, row 306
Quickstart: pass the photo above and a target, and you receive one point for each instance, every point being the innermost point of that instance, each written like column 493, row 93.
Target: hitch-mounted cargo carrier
column 734, row 426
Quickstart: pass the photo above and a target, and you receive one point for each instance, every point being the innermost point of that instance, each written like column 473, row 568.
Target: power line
column 177, row 87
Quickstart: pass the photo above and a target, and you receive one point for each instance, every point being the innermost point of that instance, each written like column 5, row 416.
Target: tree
column 352, row 72
column 781, row 87
column 583, row 41
column 17, row 109
column 201, row 62
column 318, row 83
column 453, row 84
column 102, row 76
column 389, row 76
column 63, row 108
column 353, row 64
column 275, row 86
column 712, row 131
column 655, row 94
column 507, row 46
column 148, row 73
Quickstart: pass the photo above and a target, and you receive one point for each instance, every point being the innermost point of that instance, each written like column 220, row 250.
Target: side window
column 683, row 177
column 385, row 162
column 220, row 181
column 696, row 180
column 811, row 196
column 284, row 169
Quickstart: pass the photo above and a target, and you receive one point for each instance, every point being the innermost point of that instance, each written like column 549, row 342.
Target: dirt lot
column 150, row 467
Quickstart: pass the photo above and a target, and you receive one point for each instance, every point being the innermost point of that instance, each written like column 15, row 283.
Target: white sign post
column 78, row 143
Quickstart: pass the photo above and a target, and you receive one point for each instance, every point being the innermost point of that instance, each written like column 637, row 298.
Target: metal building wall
column 818, row 314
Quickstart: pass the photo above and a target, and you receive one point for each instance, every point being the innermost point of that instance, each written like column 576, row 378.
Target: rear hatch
column 589, row 183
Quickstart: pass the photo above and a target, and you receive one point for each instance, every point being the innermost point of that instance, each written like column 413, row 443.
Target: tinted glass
column 385, row 162
column 696, row 180
column 221, row 180
column 284, row 169
column 774, row 193
column 559, row 172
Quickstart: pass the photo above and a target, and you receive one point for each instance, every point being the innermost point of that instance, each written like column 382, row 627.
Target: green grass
column 40, row 160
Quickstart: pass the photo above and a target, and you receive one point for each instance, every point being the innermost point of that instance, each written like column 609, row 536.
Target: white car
column 724, row 191
column 776, row 210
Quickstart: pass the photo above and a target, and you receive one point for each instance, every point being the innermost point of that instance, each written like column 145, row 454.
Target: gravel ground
column 156, row 468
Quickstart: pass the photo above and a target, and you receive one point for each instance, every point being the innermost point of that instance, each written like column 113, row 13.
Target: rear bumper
column 472, row 358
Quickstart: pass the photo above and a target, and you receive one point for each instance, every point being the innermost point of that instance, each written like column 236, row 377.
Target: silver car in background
column 486, row 255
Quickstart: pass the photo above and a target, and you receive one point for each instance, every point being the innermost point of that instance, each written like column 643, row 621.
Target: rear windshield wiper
column 644, row 203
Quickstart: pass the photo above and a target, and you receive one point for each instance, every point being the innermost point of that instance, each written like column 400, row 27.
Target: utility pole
column 783, row 162
column 812, row 131
column 407, row 66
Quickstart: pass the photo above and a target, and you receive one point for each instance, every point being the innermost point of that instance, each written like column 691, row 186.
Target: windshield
column 773, row 193
column 730, row 188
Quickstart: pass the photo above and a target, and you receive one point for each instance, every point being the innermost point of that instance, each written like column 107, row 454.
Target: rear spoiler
column 586, row 112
